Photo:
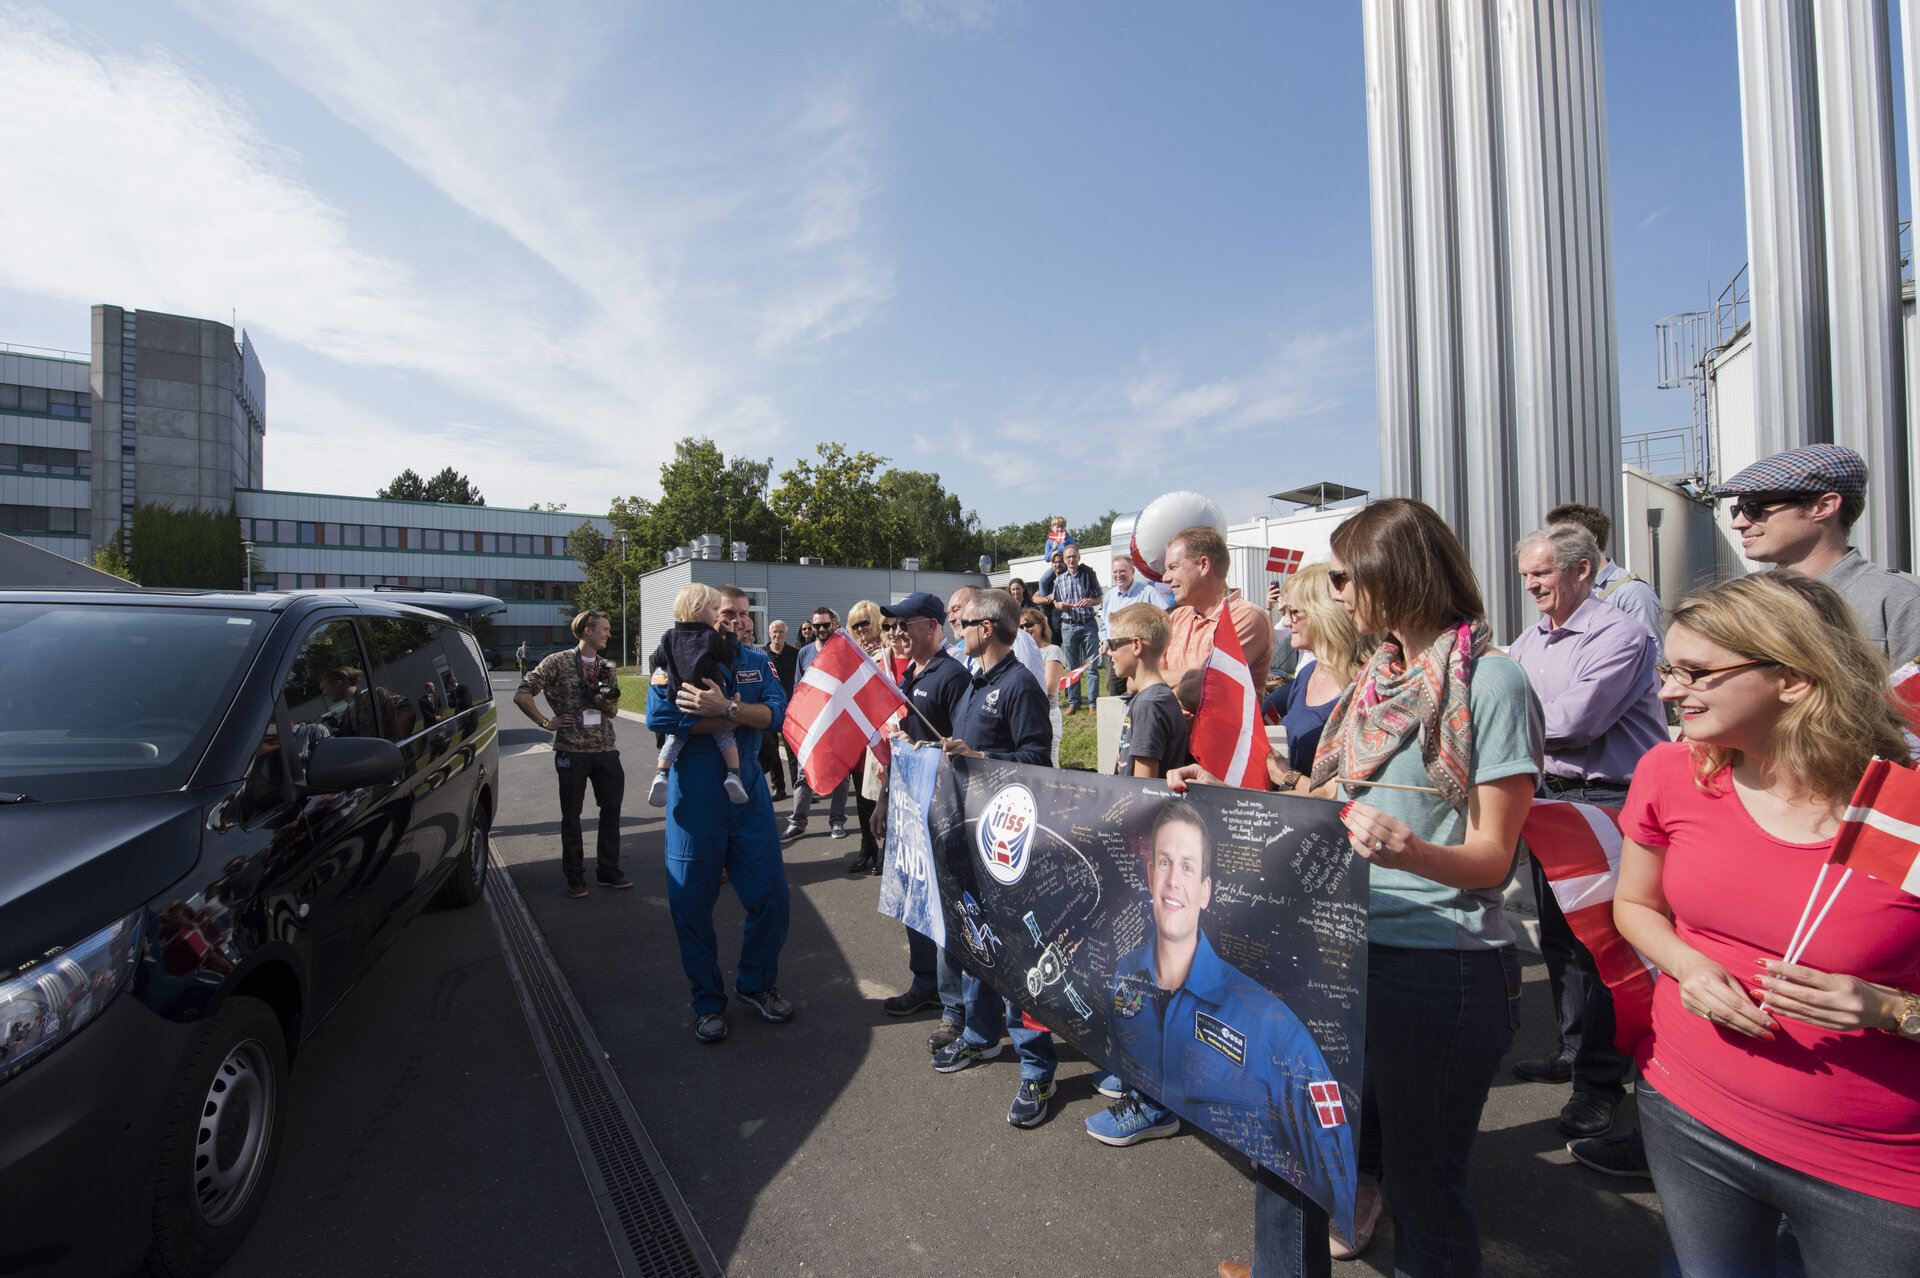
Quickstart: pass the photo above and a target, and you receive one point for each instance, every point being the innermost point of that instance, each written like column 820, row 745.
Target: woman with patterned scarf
column 1433, row 711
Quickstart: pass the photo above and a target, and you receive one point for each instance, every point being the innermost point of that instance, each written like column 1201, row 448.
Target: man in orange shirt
column 1197, row 570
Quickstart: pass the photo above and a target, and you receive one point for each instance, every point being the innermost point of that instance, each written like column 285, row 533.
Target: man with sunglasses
column 1794, row 510
column 936, row 685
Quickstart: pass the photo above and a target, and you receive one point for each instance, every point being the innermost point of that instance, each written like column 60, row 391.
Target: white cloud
column 949, row 17
column 172, row 198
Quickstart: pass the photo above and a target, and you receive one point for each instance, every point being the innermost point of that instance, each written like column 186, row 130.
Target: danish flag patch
column 1327, row 1106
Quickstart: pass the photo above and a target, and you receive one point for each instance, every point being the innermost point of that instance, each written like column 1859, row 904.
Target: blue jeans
column 932, row 970
column 988, row 1014
column 836, row 813
column 1081, row 640
column 1723, row 1204
column 1438, row 1022
column 1289, row 1231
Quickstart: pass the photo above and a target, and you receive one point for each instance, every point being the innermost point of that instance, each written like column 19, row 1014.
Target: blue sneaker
column 1030, row 1102
column 1110, row 1085
column 1132, row 1120
column 959, row 1054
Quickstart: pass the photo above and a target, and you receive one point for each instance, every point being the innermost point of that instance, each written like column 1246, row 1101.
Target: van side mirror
column 352, row 763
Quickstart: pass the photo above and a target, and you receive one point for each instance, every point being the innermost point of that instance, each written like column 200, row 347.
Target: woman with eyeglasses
column 1034, row 622
column 1457, row 725
column 1769, row 1089
column 863, row 623
column 1318, row 626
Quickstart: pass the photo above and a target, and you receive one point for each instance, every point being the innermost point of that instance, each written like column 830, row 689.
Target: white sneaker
column 736, row 793
column 657, row 792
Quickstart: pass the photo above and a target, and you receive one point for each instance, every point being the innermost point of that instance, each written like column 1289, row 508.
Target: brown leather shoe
column 1234, row 1269
column 577, row 891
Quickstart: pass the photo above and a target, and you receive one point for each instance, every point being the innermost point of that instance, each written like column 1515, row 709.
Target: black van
column 215, row 811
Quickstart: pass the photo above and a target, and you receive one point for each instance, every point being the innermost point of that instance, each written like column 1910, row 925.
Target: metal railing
column 1734, row 309
column 1665, row 452
column 21, row 348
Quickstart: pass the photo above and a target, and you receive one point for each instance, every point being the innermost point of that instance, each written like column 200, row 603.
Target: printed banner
column 1209, row 948
column 910, row 888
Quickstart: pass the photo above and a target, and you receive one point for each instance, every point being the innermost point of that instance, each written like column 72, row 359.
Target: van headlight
column 49, row 1002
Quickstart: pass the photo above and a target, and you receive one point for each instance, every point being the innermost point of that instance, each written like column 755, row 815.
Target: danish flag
column 840, row 707
column 1578, row 846
column 1072, row 677
column 1327, row 1105
column 1880, row 834
column 1228, row 738
column 1283, row 561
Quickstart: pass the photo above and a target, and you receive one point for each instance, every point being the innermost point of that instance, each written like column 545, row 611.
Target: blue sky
column 1069, row 255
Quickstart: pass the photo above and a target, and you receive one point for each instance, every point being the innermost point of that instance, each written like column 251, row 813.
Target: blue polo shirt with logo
column 1005, row 715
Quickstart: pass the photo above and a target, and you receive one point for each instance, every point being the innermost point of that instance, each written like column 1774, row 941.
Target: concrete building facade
column 46, row 450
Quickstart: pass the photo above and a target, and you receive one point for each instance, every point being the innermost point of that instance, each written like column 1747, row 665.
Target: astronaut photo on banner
column 1209, row 948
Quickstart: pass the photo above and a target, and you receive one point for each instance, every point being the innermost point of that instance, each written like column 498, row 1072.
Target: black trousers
column 770, row 762
column 609, row 780
column 865, row 807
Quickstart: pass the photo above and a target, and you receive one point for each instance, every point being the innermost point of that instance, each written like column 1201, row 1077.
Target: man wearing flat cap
column 1794, row 510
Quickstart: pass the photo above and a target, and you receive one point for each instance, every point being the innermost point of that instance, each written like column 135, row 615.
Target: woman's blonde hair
column 693, row 601
column 1826, row 738
column 868, row 611
column 1337, row 642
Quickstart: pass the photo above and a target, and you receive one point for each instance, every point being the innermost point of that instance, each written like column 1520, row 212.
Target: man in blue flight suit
column 1217, row 1046
column 707, row 835
column 1004, row 716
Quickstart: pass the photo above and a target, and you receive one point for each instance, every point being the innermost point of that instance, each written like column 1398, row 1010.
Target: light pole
column 623, row 597
column 246, row 573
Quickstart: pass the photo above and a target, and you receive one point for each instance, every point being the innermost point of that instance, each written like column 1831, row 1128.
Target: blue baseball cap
column 1815, row 469
column 918, row 604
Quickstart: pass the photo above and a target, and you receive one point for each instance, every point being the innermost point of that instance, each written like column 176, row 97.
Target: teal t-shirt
column 1509, row 738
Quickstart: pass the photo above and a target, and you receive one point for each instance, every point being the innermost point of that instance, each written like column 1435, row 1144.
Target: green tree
column 599, row 560
column 702, row 491
column 187, row 549
column 449, row 487
column 1097, row 533
column 832, row 506
column 1012, row 541
column 112, row 557
column 919, row 517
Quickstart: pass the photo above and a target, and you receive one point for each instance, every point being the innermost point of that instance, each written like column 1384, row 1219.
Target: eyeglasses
column 889, row 627
column 863, row 625
column 1030, row 625
column 968, row 623
column 1755, row 509
column 1291, row 614
column 1338, row 578
column 1685, row 676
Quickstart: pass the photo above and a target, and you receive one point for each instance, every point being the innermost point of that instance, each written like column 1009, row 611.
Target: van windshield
column 103, row 700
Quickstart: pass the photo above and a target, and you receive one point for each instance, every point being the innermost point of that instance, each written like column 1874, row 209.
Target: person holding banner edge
column 1770, row 1088
column 1443, row 740
column 1004, row 717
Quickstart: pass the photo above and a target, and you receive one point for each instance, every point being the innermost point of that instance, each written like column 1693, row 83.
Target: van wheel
column 468, row 879
column 220, row 1140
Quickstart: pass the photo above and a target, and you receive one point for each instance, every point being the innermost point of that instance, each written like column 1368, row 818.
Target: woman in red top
column 1769, row 1089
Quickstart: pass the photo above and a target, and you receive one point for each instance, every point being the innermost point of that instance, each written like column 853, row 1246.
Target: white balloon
column 1164, row 516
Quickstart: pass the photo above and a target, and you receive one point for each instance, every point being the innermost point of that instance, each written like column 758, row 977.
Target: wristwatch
column 1907, row 1024
column 733, row 708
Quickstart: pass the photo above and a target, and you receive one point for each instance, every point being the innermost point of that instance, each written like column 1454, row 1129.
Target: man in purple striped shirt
column 1592, row 666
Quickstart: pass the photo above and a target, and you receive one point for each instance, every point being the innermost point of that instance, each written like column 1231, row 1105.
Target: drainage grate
column 652, row 1232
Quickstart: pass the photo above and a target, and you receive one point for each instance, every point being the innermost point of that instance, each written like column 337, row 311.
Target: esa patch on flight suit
column 1221, row 1037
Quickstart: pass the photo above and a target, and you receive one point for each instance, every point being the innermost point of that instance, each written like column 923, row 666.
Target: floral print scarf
column 1393, row 698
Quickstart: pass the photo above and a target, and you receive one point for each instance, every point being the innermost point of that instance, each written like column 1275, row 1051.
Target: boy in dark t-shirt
column 693, row 652
column 1153, row 737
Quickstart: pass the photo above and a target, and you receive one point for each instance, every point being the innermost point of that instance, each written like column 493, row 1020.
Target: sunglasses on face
column 888, row 627
column 1755, row 509
column 1338, row 578
column 968, row 623
column 1686, row 675
column 863, row 625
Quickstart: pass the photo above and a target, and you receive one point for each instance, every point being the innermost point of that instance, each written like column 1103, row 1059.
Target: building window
column 392, row 537
column 33, row 461
column 9, row 397
column 350, row 534
column 523, row 545
column 33, row 399
column 286, row 532
column 309, row 534
column 285, row 581
column 431, row 537
column 60, row 519
column 470, row 542
column 488, row 544
column 331, row 535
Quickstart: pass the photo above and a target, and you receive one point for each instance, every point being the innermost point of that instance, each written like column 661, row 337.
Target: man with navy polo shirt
column 1004, row 717
column 937, row 686
column 706, row 835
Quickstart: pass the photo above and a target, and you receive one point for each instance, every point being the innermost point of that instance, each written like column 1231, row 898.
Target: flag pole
column 1807, row 940
column 868, row 658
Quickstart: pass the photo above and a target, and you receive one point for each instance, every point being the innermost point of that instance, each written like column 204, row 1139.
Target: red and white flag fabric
column 1072, row 677
column 1905, row 687
column 1228, row 738
column 839, row 708
column 1283, row 561
column 1880, row 834
column 1578, row 846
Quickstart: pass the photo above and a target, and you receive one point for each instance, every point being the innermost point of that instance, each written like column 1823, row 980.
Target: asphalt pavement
column 424, row 1138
